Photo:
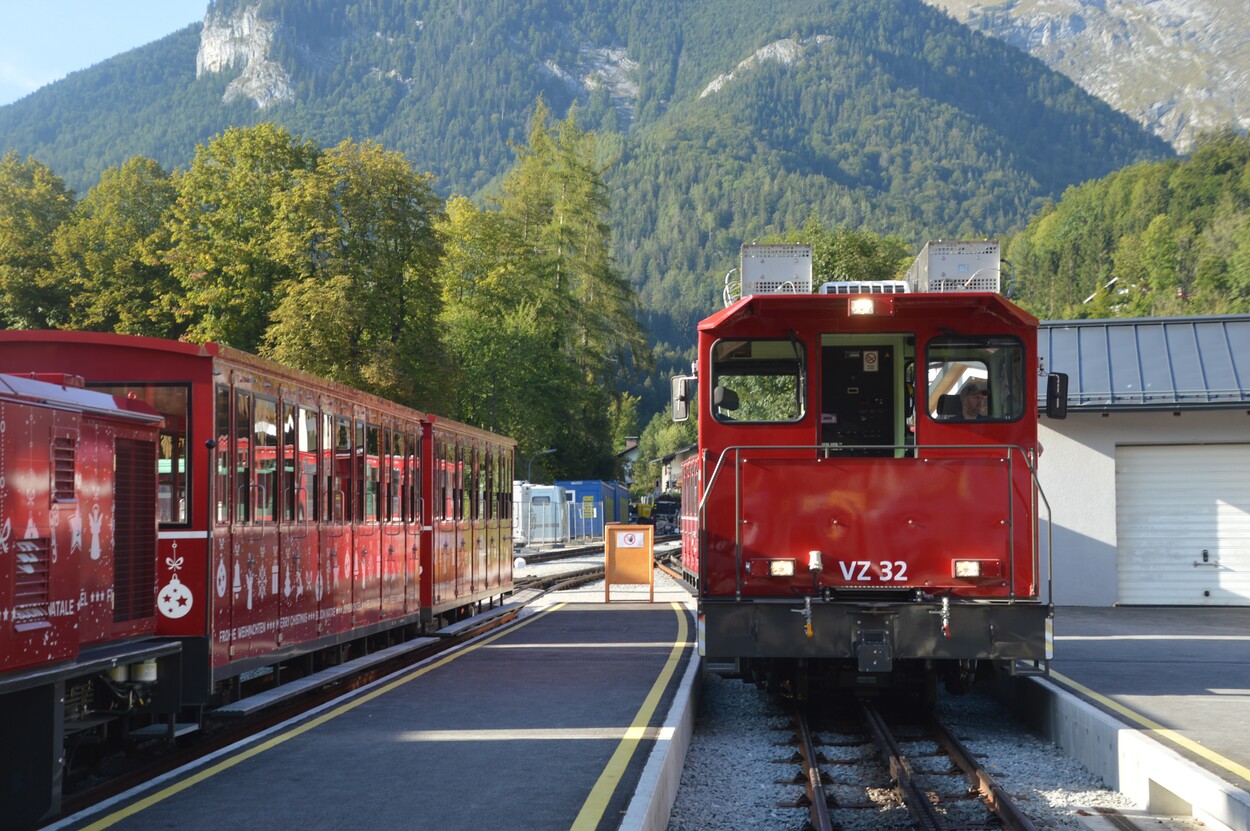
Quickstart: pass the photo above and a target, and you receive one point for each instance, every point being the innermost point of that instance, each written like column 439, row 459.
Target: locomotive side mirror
column 681, row 397
column 1057, row 395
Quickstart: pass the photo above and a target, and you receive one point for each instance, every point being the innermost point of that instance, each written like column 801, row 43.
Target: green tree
column 110, row 253
column 33, row 204
column 355, row 233
column 227, row 207
column 553, row 213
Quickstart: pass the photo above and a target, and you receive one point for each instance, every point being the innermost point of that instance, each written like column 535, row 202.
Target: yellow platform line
column 1158, row 729
column 597, row 802
column 226, row 764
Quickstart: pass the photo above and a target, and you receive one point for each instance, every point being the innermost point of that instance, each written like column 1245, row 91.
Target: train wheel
column 959, row 676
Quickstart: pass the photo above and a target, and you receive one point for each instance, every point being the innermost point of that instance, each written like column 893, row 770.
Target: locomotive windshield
column 976, row 379
column 757, row 380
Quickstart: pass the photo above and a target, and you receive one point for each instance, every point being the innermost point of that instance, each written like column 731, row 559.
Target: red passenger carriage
column 300, row 521
column 854, row 522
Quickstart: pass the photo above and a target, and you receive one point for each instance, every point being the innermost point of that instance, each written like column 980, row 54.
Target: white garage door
column 1183, row 524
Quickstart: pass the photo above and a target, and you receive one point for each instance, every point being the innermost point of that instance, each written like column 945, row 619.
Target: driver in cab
column 974, row 397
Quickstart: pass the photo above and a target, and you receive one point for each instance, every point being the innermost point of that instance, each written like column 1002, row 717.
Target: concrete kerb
column 657, row 788
column 1142, row 768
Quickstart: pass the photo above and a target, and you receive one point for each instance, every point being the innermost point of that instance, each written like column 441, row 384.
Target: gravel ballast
column 738, row 755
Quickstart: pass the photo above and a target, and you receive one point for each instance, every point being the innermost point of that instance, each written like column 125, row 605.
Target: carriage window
column 412, row 503
column 372, row 484
column 757, row 381
column 481, row 470
column 221, row 433
column 446, row 478
column 505, row 492
column 305, row 483
column 395, row 449
column 328, row 499
column 290, row 464
column 341, row 497
column 464, row 483
column 265, row 456
column 975, row 379
column 173, row 401
column 242, row 456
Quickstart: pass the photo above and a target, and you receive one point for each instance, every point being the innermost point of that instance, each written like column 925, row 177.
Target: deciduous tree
column 33, row 204
column 227, row 206
column 111, row 252
column 355, row 232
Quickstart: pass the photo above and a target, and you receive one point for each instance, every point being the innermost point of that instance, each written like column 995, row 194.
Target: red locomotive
column 863, row 508
column 290, row 521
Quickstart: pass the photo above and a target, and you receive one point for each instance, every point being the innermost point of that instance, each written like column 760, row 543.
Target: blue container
column 591, row 504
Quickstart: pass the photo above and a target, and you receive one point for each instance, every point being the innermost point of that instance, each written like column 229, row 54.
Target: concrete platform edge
column 657, row 788
column 1144, row 769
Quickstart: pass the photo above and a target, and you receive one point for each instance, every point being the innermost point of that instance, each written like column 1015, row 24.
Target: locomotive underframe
column 33, row 717
column 875, row 633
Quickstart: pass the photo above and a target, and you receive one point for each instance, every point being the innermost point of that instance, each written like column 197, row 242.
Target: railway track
column 925, row 780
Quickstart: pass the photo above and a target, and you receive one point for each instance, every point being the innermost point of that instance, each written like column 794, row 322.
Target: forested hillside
column 1162, row 238
column 724, row 119
column 343, row 261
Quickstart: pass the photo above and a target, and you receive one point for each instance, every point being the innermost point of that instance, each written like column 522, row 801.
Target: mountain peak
column 244, row 39
column 1176, row 66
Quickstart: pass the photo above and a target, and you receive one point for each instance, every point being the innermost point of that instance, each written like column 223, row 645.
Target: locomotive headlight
column 781, row 568
column 770, row 568
column 967, row 568
column 862, row 306
column 978, row 568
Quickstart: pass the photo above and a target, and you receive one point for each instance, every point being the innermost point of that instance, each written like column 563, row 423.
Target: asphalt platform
column 1155, row 701
column 555, row 722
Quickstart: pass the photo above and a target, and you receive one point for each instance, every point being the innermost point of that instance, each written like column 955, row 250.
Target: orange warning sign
column 629, row 557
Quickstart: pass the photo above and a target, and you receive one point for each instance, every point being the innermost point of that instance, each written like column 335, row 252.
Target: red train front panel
column 837, row 468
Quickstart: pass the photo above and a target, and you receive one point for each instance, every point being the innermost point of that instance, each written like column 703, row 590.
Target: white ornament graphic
column 175, row 600
column 95, row 520
column 223, row 578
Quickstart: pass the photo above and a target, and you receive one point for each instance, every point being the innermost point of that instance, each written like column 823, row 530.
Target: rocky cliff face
column 243, row 40
column 1180, row 67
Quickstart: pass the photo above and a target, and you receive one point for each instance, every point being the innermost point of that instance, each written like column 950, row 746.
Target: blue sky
column 42, row 41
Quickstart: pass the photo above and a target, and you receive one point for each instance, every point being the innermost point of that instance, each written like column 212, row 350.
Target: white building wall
column 1077, row 474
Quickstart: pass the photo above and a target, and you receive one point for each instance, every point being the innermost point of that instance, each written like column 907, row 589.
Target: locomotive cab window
column 975, row 379
column 758, row 381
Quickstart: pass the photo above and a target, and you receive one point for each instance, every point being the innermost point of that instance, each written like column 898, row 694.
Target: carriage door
column 862, row 399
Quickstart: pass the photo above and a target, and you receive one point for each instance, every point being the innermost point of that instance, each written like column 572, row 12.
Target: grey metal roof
column 1173, row 363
